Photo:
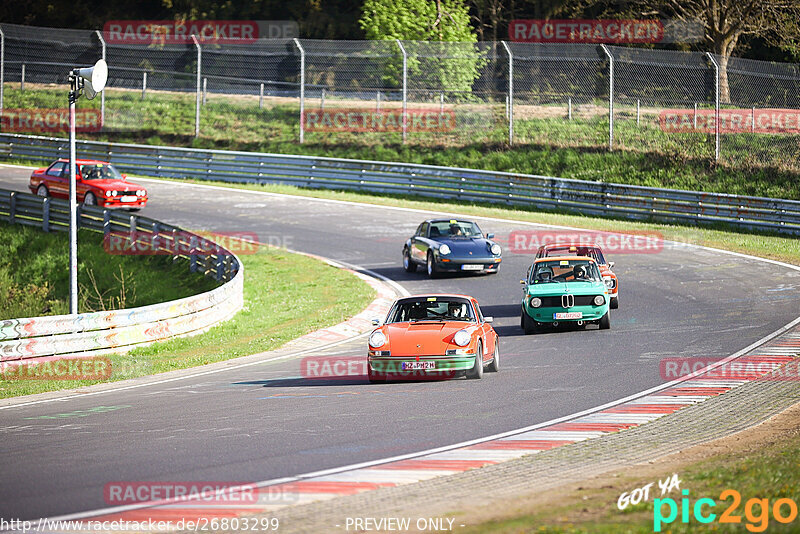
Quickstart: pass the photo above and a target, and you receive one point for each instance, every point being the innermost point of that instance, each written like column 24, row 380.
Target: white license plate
column 128, row 198
column 471, row 267
column 418, row 366
column 568, row 315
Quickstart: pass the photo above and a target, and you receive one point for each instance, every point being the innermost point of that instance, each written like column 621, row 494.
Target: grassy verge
column 767, row 246
column 34, row 280
column 545, row 143
column 286, row 296
column 753, row 463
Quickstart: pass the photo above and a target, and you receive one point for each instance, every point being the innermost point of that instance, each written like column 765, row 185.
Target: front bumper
column 487, row 264
column 115, row 202
column 547, row 315
column 444, row 365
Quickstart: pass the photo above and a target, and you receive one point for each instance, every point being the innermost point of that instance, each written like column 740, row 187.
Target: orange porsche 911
column 432, row 336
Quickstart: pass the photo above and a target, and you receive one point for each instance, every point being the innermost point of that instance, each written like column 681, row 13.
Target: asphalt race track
column 263, row 422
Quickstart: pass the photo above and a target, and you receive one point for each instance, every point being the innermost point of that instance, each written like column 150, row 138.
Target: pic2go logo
column 756, row 511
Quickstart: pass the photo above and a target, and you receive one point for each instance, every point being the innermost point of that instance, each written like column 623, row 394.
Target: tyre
column 528, row 324
column 495, row 365
column 431, row 266
column 373, row 377
column 42, row 191
column 476, row 372
column 614, row 303
column 408, row 264
column 89, row 199
column 605, row 321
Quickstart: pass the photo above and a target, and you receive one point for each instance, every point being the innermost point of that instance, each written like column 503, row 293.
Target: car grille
column 556, row 302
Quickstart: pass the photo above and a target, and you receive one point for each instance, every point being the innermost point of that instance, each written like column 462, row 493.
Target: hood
column 559, row 288
column 463, row 246
column 114, row 185
column 433, row 337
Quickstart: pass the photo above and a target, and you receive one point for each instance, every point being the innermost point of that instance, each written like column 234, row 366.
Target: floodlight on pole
column 89, row 81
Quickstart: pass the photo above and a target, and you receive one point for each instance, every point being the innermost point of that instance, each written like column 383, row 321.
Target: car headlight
column 444, row 250
column 142, row 193
column 461, row 338
column 496, row 250
column 113, row 193
column 599, row 300
column 108, row 193
column 610, row 282
column 536, row 302
column 377, row 339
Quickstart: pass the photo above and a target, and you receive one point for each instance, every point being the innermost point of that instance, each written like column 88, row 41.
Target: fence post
column 569, row 108
column 2, row 66
column 716, row 104
column 144, row 83
column 638, row 105
column 441, row 103
column 753, row 120
column 694, row 119
column 261, row 96
column 322, row 100
column 22, row 79
column 302, row 87
column 197, row 88
column 103, row 92
column 510, row 93
column 378, row 102
column 405, row 87
column 205, row 86
column 610, row 96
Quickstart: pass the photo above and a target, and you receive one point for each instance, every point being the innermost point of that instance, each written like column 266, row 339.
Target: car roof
column 83, row 161
column 567, row 245
column 437, row 295
column 448, row 219
column 565, row 258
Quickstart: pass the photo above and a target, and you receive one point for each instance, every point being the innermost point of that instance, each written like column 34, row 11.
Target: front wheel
column 89, row 199
column 431, row 266
column 528, row 324
column 495, row 365
column 614, row 303
column 373, row 377
column 605, row 321
column 477, row 370
column 408, row 264
column 42, row 191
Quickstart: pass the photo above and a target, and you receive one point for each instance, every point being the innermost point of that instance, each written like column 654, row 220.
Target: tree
column 438, row 64
column 725, row 22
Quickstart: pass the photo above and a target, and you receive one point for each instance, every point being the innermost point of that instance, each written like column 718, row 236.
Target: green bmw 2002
column 564, row 290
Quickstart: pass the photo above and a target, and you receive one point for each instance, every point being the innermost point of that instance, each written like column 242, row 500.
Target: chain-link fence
column 695, row 106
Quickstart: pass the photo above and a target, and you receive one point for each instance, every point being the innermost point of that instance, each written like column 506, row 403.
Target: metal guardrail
column 448, row 183
column 118, row 330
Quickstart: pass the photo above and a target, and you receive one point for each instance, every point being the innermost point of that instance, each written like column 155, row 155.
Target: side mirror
column 488, row 319
column 124, row 176
column 376, row 322
column 611, row 264
column 522, row 282
column 489, row 236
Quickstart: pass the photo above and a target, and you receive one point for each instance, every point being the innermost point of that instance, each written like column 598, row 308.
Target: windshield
column 432, row 309
column 565, row 271
column 100, row 171
column 454, row 229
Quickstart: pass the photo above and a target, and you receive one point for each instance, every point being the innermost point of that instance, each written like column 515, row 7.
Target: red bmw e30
column 98, row 183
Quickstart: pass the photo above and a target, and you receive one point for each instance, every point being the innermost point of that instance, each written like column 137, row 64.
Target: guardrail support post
column 302, row 87
column 405, row 87
column 220, row 266
column 106, row 222
column 2, row 66
column 103, row 92
column 46, row 214
column 510, row 93
column 610, row 96
column 12, row 207
column 197, row 88
column 716, row 103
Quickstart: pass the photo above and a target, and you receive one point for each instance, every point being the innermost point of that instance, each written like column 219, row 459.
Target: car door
column 81, row 185
column 419, row 245
column 486, row 333
column 56, row 178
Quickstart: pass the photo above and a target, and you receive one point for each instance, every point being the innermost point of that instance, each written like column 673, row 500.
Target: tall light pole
column 88, row 81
